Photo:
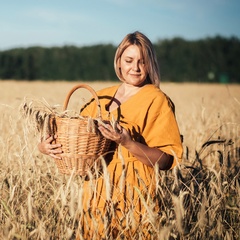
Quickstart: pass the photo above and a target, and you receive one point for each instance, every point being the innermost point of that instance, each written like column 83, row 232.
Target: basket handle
column 88, row 88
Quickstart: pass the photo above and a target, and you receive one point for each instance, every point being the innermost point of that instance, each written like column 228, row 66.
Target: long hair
column 148, row 54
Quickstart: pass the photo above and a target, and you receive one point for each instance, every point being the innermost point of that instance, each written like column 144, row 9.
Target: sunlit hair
column 148, row 55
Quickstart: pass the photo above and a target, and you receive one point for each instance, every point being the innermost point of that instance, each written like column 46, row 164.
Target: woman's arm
column 150, row 156
column 147, row 155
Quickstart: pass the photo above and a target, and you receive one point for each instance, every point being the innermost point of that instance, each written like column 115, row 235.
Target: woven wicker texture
column 82, row 142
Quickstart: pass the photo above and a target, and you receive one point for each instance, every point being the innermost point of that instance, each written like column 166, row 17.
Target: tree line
column 213, row 59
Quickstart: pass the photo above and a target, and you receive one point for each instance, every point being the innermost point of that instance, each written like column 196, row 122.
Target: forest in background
column 213, row 59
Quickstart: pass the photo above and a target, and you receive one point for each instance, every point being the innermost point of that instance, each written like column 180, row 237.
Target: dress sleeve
column 161, row 129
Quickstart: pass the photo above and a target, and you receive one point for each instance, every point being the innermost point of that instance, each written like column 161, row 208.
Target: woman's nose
column 135, row 66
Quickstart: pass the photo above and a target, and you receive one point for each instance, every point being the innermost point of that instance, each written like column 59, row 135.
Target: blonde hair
column 148, row 54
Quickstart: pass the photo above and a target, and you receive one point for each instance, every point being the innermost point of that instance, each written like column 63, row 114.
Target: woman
column 146, row 136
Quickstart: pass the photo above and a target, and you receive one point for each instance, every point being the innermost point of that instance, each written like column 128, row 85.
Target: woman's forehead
column 132, row 51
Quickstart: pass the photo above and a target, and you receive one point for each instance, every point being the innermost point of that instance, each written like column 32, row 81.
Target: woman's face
column 132, row 66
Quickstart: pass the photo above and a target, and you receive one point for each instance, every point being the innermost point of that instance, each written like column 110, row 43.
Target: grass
column 199, row 199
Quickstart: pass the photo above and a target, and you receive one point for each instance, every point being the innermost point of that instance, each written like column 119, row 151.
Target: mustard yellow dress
column 121, row 202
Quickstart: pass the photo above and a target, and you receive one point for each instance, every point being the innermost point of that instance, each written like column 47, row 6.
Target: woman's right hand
column 49, row 147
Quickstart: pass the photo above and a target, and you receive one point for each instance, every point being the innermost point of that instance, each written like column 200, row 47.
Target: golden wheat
column 199, row 199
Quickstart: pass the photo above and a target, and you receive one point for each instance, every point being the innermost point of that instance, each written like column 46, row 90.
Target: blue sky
column 25, row 23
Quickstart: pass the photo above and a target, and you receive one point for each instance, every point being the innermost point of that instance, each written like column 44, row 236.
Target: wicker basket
column 81, row 146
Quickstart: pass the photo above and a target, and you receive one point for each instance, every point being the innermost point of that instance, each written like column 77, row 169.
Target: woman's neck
column 127, row 90
column 124, row 92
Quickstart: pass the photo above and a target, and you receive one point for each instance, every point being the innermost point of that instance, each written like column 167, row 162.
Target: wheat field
column 199, row 199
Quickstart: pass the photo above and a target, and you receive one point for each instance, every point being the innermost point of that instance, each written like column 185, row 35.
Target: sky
column 26, row 23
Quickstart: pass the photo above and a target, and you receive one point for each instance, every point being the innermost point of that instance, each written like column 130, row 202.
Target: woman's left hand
column 117, row 133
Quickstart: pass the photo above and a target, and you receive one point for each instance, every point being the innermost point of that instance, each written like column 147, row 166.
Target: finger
column 119, row 128
column 55, row 156
column 111, row 135
column 49, row 139
column 53, row 146
column 106, row 133
column 53, row 151
column 105, row 129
